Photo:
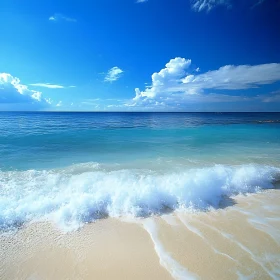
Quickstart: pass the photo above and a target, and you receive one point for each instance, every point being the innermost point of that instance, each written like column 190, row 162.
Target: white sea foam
column 81, row 194
column 171, row 265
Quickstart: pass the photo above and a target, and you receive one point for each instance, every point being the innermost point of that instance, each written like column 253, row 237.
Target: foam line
column 174, row 268
column 232, row 239
column 198, row 232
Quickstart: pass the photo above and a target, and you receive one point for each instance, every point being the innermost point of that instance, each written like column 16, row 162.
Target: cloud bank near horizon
column 16, row 96
column 178, row 85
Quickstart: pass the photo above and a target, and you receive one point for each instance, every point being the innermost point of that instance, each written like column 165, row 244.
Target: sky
column 140, row 55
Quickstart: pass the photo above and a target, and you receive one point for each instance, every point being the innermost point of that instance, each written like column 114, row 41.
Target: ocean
column 79, row 166
column 74, row 169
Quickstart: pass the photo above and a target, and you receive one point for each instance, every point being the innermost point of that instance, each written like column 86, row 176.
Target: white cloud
column 173, row 85
column 52, row 86
column 15, row 95
column 59, row 104
column 208, row 5
column 47, row 85
column 60, row 17
column 231, row 77
column 141, row 1
column 113, row 74
column 166, row 78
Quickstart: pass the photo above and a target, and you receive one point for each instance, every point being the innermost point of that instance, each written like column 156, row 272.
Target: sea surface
column 75, row 168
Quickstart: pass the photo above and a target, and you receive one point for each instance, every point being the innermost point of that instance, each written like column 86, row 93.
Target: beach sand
column 241, row 241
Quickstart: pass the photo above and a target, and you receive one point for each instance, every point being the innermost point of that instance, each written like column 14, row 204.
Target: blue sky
column 128, row 55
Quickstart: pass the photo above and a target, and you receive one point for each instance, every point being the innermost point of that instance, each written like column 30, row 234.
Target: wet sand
column 236, row 242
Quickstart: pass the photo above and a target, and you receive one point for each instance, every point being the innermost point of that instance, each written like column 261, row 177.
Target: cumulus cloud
column 208, row 5
column 176, row 85
column 14, row 95
column 166, row 78
column 59, row 17
column 113, row 74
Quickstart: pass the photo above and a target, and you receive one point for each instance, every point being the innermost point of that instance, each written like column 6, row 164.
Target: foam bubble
column 74, row 196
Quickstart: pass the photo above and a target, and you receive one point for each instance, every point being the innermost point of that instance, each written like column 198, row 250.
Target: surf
column 80, row 194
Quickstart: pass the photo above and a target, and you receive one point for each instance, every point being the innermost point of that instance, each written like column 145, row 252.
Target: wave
column 81, row 194
column 267, row 121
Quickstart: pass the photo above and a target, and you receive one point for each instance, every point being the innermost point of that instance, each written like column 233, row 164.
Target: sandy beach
column 236, row 242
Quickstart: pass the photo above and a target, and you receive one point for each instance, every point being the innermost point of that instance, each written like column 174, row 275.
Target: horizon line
column 172, row 112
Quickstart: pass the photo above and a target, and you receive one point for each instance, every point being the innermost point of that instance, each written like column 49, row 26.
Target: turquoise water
column 76, row 167
column 52, row 140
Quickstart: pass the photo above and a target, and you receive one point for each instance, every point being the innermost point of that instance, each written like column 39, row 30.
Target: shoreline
column 238, row 242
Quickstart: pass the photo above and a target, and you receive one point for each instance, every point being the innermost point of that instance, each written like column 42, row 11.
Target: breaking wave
column 81, row 194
